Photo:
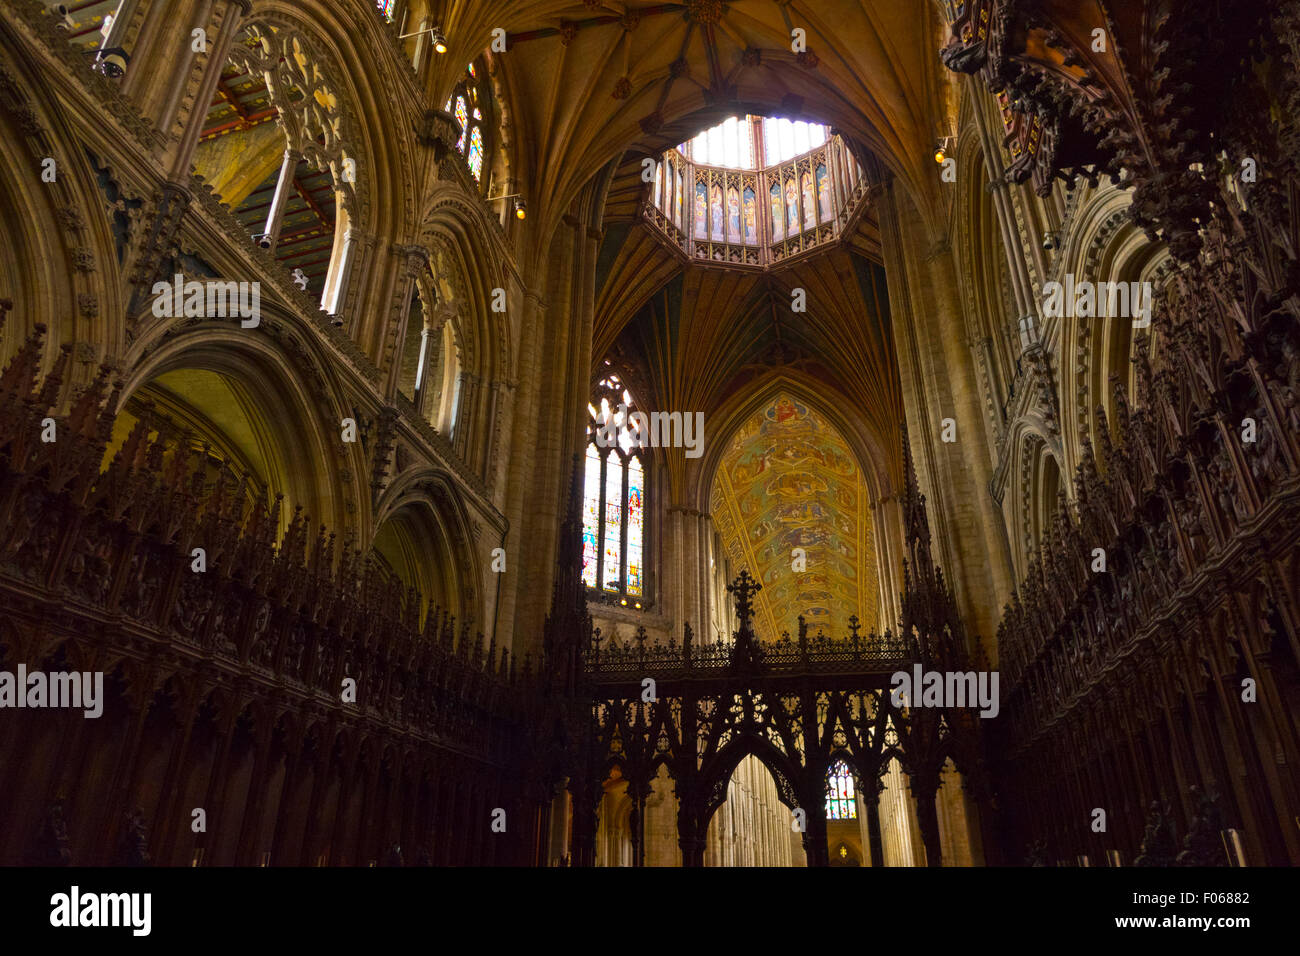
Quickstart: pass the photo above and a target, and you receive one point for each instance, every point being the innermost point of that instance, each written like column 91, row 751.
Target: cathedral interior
column 545, row 432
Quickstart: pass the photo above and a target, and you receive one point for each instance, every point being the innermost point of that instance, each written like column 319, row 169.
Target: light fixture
column 941, row 148
column 439, row 40
column 521, row 207
column 623, row 602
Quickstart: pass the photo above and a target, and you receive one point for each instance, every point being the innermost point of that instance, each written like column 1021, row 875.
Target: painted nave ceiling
column 539, row 432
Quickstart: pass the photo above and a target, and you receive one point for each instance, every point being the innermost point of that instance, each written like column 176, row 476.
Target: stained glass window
column 475, row 157
column 614, row 496
column 462, row 117
column 470, row 105
column 751, row 217
column 613, row 520
column 635, row 523
column 386, row 7
column 841, row 801
column 591, row 518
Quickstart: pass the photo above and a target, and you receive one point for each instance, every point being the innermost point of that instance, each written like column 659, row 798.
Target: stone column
column 283, row 187
column 218, row 51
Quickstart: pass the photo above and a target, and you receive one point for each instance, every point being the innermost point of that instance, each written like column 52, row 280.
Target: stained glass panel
column 823, row 193
column 475, row 157
column 715, row 211
column 751, row 217
column 841, row 802
column 613, row 520
column 635, row 524
column 462, row 117
column 386, row 7
column 778, row 214
column 809, row 206
column 591, row 517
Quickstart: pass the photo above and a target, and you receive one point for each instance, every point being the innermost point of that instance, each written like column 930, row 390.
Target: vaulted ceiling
column 588, row 80
column 706, row 335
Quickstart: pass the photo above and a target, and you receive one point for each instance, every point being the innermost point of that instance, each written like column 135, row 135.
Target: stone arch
column 322, row 48
column 226, row 382
column 873, row 457
column 1102, row 245
column 982, row 260
column 1038, row 478
column 64, row 273
column 717, row 771
column 427, row 538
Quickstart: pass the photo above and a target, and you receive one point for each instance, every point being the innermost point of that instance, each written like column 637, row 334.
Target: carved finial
column 744, row 588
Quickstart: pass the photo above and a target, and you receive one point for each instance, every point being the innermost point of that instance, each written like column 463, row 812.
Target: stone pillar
column 218, row 51
column 283, row 187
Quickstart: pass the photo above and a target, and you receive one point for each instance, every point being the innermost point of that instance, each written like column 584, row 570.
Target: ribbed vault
column 708, row 334
column 591, row 79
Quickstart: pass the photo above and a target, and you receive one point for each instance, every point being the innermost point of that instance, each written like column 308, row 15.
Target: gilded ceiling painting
column 788, row 480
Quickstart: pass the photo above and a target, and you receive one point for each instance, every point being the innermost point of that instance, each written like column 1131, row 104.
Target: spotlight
column 521, row 209
column 942, row 147
column 1051, row 241
column 65, row 18
column 439, row 41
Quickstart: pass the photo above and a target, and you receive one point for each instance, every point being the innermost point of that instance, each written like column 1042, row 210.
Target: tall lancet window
column 614, row 496
column 841, row 802
column 469, row 104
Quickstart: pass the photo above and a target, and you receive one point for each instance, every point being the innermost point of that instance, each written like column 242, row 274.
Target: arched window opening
column 429, row 375
column 469, row 103
column 293, row 182
column 614, row 498
column 841, row 798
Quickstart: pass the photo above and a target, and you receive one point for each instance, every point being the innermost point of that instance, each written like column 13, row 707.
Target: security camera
column 112, row 62
column 114, row 67
column 264, row 242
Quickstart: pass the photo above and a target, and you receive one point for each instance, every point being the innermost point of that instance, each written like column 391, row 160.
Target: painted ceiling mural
column 788, row 480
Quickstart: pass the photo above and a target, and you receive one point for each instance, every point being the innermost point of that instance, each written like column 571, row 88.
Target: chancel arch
column 775, row 445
